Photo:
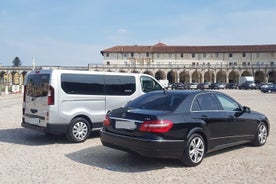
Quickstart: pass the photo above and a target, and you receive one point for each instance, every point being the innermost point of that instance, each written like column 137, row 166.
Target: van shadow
column 119, row 161
column 27, row 137
column 24, row 136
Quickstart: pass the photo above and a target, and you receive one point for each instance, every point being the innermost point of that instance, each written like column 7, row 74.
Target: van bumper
column 56, row 129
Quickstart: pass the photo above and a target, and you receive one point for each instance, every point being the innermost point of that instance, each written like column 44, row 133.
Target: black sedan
column 182, row 124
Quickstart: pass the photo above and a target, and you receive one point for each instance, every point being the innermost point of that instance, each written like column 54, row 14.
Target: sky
column 73, row 32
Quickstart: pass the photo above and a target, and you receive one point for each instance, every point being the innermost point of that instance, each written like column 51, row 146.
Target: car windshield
column 158, row 101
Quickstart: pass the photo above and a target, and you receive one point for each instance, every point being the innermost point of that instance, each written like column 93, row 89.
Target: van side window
column 120, row 85
column 148, row 84
column 82, row 84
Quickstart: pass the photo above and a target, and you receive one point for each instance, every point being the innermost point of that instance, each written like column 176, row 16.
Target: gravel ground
column 31, row 157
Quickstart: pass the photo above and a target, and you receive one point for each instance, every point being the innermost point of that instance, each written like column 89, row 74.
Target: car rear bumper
column 144, row 147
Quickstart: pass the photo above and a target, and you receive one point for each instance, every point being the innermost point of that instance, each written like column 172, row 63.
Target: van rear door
column 36, row 98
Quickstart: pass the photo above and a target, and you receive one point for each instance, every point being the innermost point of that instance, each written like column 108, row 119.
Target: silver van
column 75, row 102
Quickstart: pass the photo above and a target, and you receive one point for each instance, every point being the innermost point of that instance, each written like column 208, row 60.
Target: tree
column 16, row 62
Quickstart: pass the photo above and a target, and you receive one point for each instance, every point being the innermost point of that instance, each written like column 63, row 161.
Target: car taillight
column 51, row 96
column 160, row 126
column 106, row 121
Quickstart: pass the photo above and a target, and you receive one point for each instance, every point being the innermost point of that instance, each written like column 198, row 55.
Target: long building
column 194, row 63
column 176, row 63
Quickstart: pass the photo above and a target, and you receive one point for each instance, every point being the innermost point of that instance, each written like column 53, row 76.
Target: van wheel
column 79, row 130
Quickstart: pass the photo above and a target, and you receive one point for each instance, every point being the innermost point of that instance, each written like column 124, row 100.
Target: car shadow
column 24, row 136
column 119, row 161
column 225, row 150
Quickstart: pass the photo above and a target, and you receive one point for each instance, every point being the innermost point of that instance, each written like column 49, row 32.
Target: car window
column 228, row 103
column 159, row 101
column 205, row 102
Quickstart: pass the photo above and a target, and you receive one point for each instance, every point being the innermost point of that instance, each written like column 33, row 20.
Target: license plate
column 34, row 121
column 129, row 125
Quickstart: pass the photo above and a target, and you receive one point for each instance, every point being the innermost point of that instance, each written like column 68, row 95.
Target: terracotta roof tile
column 162, row 48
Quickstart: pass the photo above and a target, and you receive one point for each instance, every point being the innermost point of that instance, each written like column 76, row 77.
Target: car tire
column 79, row 130
column 261, row 135
column 194, row 151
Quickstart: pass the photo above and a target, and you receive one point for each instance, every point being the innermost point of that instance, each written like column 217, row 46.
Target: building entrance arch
column 184, row 77
column 234, row 77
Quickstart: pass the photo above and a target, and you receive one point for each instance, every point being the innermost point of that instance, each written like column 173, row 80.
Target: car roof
column 188, row 92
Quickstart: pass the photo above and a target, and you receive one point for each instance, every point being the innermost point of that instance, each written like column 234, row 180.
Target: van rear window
column 37, row 85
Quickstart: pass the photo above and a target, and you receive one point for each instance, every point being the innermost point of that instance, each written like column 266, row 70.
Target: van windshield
column 37, row 85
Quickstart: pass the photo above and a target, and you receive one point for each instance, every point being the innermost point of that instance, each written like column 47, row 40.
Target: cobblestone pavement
column 31, row 157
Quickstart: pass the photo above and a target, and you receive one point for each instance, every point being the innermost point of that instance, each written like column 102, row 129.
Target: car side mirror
column 246, row 109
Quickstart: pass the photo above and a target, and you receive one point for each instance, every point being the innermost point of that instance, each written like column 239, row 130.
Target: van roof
column 85, row 72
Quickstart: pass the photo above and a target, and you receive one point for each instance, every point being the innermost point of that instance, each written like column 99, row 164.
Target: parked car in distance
column 247, row 85
column 265, row 85
column 231, row 86
column 217, row 86
column 204, row 85
column 193, row 85
column 182, row 124
column 178, row 85
column 269, row 89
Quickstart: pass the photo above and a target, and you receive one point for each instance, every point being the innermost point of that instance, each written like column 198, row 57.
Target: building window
column 181, row 55
column 125, row 54
column 217, row 55
column 243, row 54
column 257, row 55
column 108, row 63
column 107, row 54
column 193, row 63
column 248, row 63
column 158, row 55
column 204, row 55
column 230, row 55
column 193, row 55
column 272, row 54
column 147, row 54
column 243, row 63
column 132, row 54
column 272, row 63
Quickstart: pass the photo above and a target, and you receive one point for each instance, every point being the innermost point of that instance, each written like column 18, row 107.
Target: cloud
column 121, row 31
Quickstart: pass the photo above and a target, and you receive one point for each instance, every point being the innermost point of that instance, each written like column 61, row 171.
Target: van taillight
column 51, row 96
column 24, row 93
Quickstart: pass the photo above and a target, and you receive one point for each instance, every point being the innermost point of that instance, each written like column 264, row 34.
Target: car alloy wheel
column 261, row 135
column 194, row 152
